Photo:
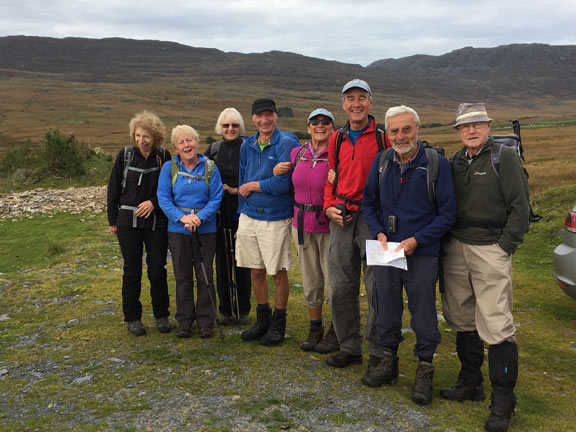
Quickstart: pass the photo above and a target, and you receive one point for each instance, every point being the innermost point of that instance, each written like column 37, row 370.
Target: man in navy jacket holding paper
column 397, row 207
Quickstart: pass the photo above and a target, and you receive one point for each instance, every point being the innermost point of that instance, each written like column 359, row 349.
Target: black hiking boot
column 136, row 328
column 260, row 327
column 385, row 372
column 422, row 390
column 329, row 343
column 315, row 335
column 464, row 391
column 275, row 334
column 343, row 359
column 500, row 415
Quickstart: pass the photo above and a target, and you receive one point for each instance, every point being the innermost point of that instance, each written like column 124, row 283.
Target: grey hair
column 180, row 130
column 234, row 115
column 400, row 109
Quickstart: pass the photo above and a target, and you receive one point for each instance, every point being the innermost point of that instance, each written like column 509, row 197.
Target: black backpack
column 514, row 141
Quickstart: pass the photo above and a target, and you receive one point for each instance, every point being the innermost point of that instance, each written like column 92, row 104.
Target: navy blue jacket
column 406, row 196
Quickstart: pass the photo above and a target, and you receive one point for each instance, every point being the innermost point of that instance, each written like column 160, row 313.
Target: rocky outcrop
column 18, row 205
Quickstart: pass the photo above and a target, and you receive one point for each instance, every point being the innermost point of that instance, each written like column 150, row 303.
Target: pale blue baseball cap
column 357, row 83
column 321, row 111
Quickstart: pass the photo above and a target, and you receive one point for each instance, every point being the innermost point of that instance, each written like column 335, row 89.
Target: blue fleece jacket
column 274, row 202
column 189, row 193
column 406, row 196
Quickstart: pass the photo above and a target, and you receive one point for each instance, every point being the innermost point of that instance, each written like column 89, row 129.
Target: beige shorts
column 263, row 244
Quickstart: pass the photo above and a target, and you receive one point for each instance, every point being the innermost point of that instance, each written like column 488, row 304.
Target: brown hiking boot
column 184, row 331
column 343, row 359
column 329, row 343
column 422, row 390
column 315, row 335
column 385, row 372
column 206, row 332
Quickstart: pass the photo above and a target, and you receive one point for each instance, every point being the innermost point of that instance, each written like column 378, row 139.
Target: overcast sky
column 359, row 31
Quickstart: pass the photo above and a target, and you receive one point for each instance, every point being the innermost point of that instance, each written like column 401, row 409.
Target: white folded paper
column 376, row 255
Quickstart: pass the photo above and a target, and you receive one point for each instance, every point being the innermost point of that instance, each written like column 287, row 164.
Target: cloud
column 347, row 31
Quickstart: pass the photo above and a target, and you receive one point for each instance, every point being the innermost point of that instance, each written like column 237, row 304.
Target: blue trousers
column 419, row 281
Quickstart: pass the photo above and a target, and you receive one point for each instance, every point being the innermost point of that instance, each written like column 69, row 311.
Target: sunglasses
column 227, row 125
column 325, row 122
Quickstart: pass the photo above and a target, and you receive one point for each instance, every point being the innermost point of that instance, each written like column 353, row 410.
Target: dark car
column 565, row 256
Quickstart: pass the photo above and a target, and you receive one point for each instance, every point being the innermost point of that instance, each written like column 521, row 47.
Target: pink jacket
column 309, row 178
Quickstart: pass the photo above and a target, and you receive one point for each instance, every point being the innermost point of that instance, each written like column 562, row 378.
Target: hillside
column 91, row 87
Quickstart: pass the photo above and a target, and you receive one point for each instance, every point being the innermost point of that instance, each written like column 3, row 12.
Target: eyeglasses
column 325, row 121
column 475, row 126
column 227, row 125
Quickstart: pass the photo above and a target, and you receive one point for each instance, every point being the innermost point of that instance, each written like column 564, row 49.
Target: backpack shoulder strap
column 208, row 170
column 432, row 175
column 383, row 163
column 299, row 156
column 495, row 156
column 128, row 157
column 174, row 168
column 339, row 139
column 380, row 137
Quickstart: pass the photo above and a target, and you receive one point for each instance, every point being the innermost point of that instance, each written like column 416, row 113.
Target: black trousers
column 223, row 266
column 132, row 242
column 186, row 260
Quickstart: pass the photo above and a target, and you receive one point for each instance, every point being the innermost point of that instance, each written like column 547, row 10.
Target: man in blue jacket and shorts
column 263, row 241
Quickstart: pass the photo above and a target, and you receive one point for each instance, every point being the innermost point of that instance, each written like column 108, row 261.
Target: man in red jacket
column 350, row 152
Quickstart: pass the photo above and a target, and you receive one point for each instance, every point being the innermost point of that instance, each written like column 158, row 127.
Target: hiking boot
column 329, row 343
column 206, row 332
column 275, row 333
column 136, row 328
column 260, row 327
column 464, row 391
column 343, row 359
column 422, row 390
column 225, row 319
column 242, row 319
column 500, row 415
column 315, row 335
column 373, row 361
column 384, row 372
column 184, row 331
column 163, row 325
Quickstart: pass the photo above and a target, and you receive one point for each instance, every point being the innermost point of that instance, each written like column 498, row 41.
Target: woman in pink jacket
column 310, row 228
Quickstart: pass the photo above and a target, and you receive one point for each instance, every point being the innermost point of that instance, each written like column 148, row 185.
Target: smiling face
column 357, row 105
column 187, row 148
column 144, row 141
column 265, row 122
column 403, row 134
column 474, row 135
column 320, row 128
column 230, row 129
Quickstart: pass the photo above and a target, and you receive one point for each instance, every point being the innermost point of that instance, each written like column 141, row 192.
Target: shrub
column 302, row 135
column 63, row 155
column 20, row 157
column 285, row 112
column 209, row 140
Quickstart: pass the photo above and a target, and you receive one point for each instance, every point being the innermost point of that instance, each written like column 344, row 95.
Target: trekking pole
column 196, row 239
column 230, row 261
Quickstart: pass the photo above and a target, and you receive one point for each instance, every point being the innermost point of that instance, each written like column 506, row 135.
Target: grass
column 65, row 326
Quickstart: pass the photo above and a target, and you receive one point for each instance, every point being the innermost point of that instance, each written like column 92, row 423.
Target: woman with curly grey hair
column 136, row 219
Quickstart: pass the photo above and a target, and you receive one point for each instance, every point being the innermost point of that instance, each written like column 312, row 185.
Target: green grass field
column 67, row 361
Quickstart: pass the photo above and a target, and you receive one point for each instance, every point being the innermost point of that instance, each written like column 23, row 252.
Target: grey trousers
column 185, row 257
column 347, row 258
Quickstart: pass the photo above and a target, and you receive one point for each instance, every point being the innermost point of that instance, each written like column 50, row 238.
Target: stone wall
column 19, row 205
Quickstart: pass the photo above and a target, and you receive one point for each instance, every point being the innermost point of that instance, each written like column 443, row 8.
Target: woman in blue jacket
column 189, row 193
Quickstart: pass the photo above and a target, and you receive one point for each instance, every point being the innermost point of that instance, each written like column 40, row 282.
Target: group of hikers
column 241, row 201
